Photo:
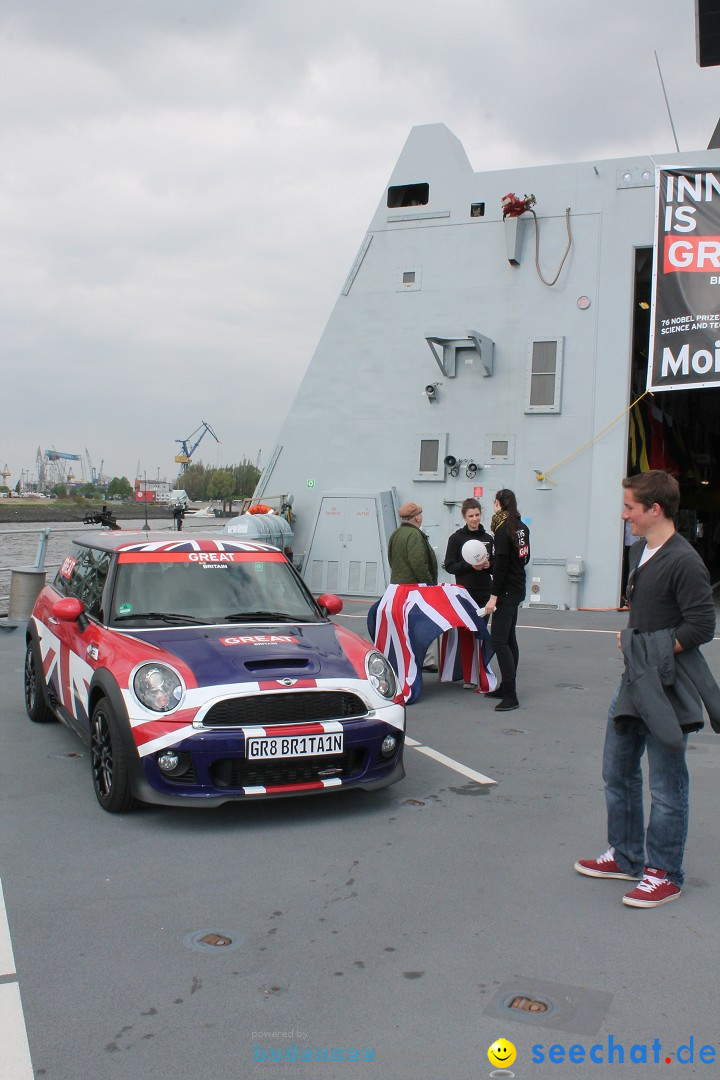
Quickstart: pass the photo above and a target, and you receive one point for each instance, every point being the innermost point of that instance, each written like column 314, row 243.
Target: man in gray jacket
column 668, row 589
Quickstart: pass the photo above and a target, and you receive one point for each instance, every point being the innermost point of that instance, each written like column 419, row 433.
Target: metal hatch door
column 345, row 552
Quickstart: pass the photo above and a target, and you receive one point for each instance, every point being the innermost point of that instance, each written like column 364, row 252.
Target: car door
column 80, row 639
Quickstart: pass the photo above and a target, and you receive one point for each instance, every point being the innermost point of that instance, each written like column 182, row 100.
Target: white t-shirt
column 648, row 554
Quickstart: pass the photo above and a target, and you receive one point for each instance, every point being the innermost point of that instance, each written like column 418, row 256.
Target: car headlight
column 388, row 746
column 158, row 687
column 381, row 675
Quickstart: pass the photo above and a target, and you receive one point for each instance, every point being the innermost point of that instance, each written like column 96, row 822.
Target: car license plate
column 287, row 746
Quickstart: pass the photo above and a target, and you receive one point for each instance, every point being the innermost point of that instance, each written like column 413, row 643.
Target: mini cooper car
column 201, row 669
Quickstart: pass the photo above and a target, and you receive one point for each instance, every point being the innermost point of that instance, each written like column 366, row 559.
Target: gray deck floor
column 401, row 922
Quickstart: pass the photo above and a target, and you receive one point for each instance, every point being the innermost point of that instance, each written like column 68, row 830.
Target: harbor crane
column 95, row 475
column 188, row 447
column 51, row 468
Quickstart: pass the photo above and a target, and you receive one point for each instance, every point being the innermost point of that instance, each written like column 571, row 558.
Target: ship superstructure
column 492, row 332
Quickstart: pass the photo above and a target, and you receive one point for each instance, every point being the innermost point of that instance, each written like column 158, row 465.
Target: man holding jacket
column 668, row 590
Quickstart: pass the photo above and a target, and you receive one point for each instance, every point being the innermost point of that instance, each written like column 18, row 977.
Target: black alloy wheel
column 35, row 691
column 110, row 774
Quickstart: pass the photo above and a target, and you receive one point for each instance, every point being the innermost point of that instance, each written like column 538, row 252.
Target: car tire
column 108, row 759
column 35, row 688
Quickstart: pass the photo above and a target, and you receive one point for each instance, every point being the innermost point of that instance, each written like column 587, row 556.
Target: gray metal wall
column 373, row 362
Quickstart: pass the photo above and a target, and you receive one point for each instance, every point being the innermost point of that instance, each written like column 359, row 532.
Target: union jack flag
column 407, row 619
column 187, row 544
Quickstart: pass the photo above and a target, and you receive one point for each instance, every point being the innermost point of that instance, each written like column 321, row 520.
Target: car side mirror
column 330, row 603
column 70, row 609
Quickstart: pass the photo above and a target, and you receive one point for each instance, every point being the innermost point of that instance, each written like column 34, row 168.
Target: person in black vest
column 510, row 557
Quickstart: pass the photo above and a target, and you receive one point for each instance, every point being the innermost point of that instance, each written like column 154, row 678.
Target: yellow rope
column 546, row 475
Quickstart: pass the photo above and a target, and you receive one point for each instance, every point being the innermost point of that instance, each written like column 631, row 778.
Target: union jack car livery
column 200, row 670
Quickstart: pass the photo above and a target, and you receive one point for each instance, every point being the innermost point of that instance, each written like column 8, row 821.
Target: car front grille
column 238, row 772
column 292, row 707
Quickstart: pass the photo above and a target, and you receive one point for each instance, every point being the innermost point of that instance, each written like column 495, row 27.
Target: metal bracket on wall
column 514, row 229
column 475, row 342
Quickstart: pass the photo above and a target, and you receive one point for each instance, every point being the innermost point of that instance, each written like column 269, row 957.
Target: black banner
column 685, row 317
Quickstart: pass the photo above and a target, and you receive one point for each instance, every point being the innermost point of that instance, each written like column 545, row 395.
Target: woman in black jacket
column 477, row 580
column 511, row 556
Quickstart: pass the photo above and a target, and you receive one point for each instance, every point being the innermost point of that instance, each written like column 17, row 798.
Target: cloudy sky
column 184, row 184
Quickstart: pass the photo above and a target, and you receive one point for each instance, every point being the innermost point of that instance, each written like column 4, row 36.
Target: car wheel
column 110, row 773
column 35, row 690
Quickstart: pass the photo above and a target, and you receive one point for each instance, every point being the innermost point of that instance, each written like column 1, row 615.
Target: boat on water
column 202, row 512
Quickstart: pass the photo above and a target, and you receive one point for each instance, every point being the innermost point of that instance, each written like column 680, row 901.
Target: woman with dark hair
column 511, row 556
column 476, row 579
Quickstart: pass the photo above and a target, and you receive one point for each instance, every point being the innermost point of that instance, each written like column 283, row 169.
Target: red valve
column 512, row 206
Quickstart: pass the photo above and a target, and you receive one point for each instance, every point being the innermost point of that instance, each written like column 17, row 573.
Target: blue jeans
column 664, row 841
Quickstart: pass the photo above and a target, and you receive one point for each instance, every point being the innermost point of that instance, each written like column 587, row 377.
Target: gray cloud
column 183, row 187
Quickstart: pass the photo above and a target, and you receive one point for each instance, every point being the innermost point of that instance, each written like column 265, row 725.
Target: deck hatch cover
column 575, row 1009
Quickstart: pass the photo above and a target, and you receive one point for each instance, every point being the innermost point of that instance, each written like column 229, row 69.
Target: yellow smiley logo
column 502, row 1053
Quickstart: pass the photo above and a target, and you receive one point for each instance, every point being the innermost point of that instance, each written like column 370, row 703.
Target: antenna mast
column 667, row 103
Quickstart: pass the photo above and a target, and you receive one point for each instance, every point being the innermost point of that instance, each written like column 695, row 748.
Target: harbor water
column 19, row 544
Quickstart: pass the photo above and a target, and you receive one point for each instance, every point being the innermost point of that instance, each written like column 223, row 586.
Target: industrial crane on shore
column 95, row 476
column 188, row 448
column 50, row 467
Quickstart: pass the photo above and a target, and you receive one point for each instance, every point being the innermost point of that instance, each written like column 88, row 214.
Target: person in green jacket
column 412, row 560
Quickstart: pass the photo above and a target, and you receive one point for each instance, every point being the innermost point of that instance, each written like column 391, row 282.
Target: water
column 19, row 544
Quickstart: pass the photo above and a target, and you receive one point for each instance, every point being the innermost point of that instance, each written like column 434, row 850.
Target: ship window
column 500, row 449
column 544, row 376
column 429, row 455
column 409, row 278
column 430, row 451
column 408, row 195
column 477, row 209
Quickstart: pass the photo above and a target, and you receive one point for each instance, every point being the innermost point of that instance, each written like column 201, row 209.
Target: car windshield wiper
column 271, row 616
column 162, row 616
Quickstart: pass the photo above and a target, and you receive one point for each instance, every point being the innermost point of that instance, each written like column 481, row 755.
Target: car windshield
column 252, row 589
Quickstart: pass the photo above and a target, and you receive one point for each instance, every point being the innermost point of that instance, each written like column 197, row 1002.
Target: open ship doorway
column 677, row 430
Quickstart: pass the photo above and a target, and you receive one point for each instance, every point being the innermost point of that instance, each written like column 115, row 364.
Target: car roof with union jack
column 164, row 542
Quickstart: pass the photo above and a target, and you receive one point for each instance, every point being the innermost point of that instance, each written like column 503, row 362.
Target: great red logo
column 259, row 639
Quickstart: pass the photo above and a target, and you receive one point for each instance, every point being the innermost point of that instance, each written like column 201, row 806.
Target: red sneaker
column 654, row 889
column 605, row 866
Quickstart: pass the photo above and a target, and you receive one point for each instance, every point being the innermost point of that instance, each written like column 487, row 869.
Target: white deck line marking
column 15, row 1061
column 456, row 766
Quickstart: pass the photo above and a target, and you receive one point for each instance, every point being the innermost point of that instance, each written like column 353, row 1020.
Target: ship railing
column 40, row 562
